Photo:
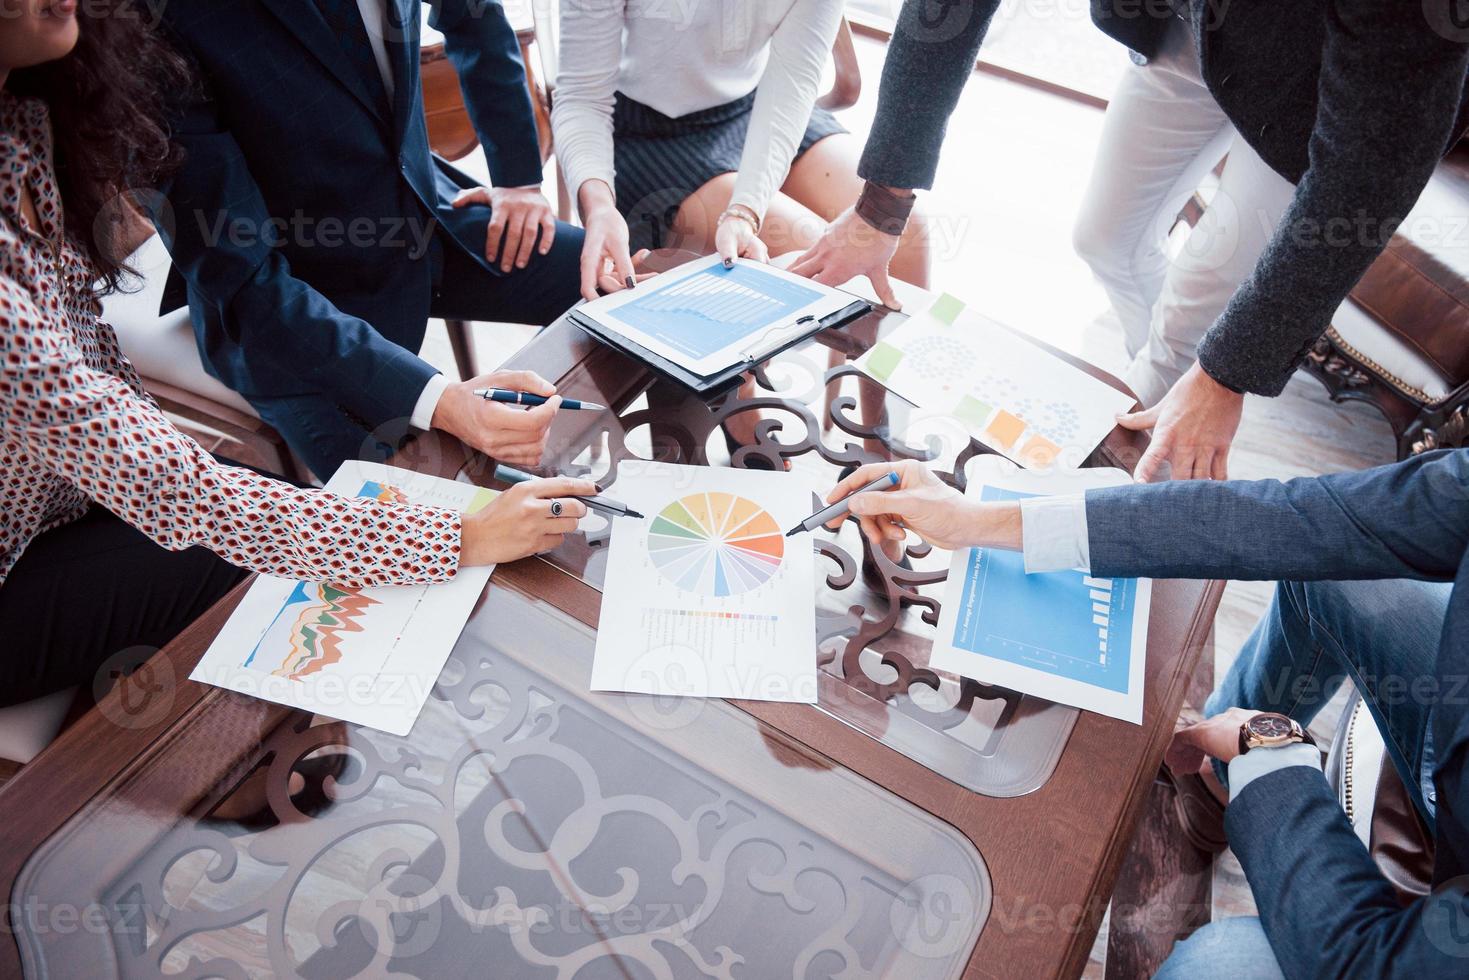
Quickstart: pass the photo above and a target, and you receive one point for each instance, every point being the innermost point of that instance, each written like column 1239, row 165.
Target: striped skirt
column 661, row 160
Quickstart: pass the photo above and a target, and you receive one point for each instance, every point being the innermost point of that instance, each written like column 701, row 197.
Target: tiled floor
column 1013, row 170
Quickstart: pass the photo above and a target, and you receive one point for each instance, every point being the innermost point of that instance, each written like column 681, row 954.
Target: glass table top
column 875, row 616
column 524, row 827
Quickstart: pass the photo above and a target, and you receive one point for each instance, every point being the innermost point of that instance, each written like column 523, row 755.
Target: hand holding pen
column 601, row 504
column 922, row 503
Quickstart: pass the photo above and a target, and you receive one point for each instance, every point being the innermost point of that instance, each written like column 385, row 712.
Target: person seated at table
column 316, row 233
column 699, row 130
column 118, row 530
column 1343, row 109
column 1374, row 570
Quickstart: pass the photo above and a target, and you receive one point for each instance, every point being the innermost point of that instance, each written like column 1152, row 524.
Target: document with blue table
column 703, row 321
column 1068, row 636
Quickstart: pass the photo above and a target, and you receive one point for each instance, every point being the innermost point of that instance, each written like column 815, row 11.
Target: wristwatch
column 1269, row 729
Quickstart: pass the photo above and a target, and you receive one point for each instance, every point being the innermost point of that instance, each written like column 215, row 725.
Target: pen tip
column 633, row 513
column 794, row 531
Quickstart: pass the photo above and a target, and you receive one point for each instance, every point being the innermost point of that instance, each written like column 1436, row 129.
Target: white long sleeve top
column 682, row 56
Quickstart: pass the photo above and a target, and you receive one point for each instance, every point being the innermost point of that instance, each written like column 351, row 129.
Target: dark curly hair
column 107, row 99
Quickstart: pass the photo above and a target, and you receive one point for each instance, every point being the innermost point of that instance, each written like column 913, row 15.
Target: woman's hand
column 521, row 521
column 606, row 240
column 926, row 505
column 735, row 237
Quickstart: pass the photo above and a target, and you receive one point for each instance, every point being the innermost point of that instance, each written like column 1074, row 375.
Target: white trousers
column 1162, row 135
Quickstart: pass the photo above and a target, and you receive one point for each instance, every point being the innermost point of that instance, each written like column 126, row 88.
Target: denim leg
column 1382, row 635
column 1229, row 949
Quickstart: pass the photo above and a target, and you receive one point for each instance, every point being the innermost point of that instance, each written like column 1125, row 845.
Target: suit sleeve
column 1387, row 100
column 482, row 45
column 1325, row 907
column 219, row 232
column 1406, row 520
column 929, row 60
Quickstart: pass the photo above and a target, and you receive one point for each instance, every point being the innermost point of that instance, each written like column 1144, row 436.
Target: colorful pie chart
column 717, row 544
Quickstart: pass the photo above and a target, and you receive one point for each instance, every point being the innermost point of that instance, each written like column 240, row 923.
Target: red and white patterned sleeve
column 94, row 430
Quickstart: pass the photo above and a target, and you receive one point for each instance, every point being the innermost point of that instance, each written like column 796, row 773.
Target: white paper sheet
column 706, row 596
column 1067, row 636
column 706, row 318
column 367, row 656
column 1011, row 395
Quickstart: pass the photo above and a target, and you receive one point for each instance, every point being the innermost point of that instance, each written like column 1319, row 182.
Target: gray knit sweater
column 1354, row 101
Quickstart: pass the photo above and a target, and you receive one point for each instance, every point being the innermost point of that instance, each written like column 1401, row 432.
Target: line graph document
column 1065, row 636
column 706, row 596
column 367, row 656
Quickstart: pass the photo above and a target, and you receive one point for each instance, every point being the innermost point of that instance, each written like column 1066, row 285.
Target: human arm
column 581, row 119
column 1292, row 838
column 248, row 286
column 1404, row 520
column 929, row 60
column 1388, row 96
column 799, row 49
column 485, row 52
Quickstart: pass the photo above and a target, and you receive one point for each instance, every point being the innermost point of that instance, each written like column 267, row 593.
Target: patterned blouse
column 77, row 427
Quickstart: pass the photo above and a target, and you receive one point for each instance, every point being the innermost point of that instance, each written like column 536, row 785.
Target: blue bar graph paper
column 1068, row 624
column 715, row 307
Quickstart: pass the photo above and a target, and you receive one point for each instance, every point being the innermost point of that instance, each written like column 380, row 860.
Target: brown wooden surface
column 1053, row 855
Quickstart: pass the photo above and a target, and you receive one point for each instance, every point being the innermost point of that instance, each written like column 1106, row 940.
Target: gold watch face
column 1270, row 726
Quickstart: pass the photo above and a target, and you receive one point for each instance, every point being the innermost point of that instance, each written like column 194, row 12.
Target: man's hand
column 507, row 433
column 926, row 505
column 517, row 215
column 1217, row 737
column 851, row 247
column 1193, row 427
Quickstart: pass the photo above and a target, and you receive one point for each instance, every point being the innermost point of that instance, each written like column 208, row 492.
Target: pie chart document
column 706, row 596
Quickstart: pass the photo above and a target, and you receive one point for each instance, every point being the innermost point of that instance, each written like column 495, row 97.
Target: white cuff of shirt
column 1053, row 533
column 1245, row 769
column 428, row 400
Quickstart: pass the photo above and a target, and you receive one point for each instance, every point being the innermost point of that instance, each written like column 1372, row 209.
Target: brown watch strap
column 884, row 210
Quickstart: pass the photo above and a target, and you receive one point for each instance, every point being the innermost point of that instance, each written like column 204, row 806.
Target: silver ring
column 556, row 508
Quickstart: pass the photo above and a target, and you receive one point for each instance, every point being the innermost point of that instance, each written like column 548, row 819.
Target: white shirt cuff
column 1245, row 769
column 1053, row 533
column 428, row 400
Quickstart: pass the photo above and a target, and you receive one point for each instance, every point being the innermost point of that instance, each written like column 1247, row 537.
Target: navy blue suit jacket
column 1325, row 907
column 301, row 217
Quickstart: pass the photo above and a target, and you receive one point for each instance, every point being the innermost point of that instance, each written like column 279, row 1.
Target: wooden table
column 913, row 825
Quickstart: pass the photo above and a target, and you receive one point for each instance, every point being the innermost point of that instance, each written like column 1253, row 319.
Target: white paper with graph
column 1066, row 636
column 706, row 318
column 367, row 656
column 1011, row 395
column 706, row 597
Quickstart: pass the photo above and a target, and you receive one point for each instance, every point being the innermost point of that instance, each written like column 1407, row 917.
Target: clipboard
column 770, row 343
column 699, row 290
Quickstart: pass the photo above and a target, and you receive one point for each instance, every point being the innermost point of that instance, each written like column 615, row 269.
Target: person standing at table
column 1375, row 587
column 117, row 529
column 695, row 126
column 316, row 233
column 1351, row 102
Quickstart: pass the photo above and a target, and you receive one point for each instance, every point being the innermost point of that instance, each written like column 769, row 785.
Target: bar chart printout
column 707, row 311
column 1066, row 636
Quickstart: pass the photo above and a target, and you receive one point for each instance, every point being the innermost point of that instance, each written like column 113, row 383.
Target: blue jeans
column 1382, row 635
column 1230, row 949
column 317, row 429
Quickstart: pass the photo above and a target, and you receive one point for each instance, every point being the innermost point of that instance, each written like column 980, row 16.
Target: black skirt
column 661, row 160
